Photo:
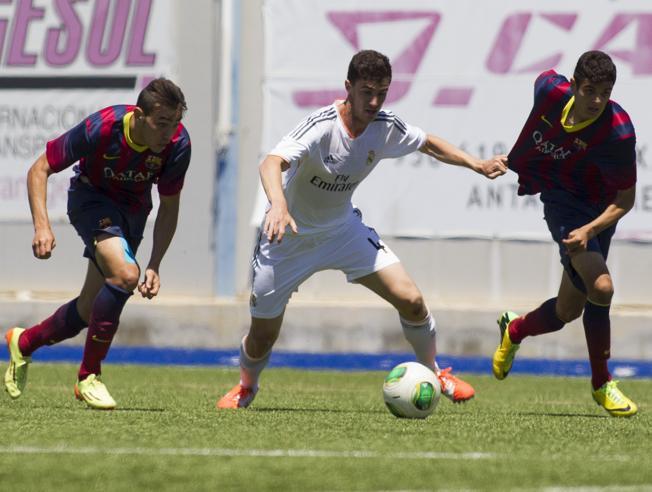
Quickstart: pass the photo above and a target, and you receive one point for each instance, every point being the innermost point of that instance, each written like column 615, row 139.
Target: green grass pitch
column 310, row 430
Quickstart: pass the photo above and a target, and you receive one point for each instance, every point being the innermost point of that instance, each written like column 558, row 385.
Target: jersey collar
column 126, row 120
column 578, row 126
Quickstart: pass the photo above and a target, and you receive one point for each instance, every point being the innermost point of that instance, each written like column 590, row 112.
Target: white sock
column 251, row 368
column 422, row 337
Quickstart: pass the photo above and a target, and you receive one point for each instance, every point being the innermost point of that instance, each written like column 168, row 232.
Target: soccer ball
column 411, row 391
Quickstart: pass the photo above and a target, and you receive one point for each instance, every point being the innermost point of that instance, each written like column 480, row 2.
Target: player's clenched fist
column 43, row 244
column 494, row 167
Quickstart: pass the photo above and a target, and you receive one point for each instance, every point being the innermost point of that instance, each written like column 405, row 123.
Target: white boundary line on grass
column 261, row 453
column 603, row 488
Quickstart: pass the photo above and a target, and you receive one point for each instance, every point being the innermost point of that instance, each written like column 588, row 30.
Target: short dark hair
column 369, row 65
column 596, row 67
column 163, row 92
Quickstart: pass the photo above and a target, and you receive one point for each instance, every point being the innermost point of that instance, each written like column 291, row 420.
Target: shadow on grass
column 130, row 409
column 560, row 414
column 314, row 410
column 79, row 407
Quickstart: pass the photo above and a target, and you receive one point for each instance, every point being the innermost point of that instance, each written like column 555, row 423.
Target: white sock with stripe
column 251, row 368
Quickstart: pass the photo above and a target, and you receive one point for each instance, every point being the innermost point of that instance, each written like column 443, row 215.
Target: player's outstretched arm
column 578, row 239
column 164, row 228
column 446, row 152
column 277, row 218
column 37, row 188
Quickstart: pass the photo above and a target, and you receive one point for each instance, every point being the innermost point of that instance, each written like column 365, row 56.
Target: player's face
column 156, row 129
column 590, row 98
column 367, row 97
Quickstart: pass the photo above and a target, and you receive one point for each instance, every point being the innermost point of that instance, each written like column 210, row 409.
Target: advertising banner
column 62, row 60
column 464, row 71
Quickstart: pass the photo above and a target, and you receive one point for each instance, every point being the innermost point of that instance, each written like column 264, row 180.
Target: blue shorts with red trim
column 563, row 212
column 91, row 214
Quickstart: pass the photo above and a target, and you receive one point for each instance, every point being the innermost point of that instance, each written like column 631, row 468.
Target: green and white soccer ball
column 411, row 390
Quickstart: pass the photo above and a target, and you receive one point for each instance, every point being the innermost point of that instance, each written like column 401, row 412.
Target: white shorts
column 279, row 269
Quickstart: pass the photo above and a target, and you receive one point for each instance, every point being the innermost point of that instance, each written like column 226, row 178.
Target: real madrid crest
column 370, row 157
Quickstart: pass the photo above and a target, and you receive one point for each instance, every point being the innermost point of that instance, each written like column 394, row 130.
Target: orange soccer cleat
column 238, row 397
column 454, row 388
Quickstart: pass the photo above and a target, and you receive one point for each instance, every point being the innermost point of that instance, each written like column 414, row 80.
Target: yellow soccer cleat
column 16, row 374
column 504, row 354
column 93, row 391
column 609, row 397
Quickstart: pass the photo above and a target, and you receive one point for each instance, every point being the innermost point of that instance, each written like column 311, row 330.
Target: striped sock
column 542, row 320
column 63, row 324
column 103, row 324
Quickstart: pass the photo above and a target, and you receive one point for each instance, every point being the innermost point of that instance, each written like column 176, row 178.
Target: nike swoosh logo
column 543, row 118
column 110, row 157
column 95, row 339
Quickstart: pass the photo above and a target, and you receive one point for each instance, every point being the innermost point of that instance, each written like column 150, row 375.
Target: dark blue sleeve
column 172, row 177
column 618, row 166
column 78, row 142
column 546, row 83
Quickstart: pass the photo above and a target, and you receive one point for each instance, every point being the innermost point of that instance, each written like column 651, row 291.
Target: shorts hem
column 354, row 277
column 266, row 315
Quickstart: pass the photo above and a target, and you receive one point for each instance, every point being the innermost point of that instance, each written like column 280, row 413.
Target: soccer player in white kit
column 309, row 179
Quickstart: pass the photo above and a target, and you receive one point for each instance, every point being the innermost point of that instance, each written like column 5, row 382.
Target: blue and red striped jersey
column 592, row 161
column 116, row 166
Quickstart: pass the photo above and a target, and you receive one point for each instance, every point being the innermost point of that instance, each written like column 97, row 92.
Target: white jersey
column 327, row 165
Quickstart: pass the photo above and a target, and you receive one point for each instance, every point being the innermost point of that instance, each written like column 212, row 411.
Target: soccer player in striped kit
column 577, row 149
column 122, row 150
column 309, row 178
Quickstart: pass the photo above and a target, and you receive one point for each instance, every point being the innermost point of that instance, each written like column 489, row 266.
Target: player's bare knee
column 126, row 277
column 602, row 290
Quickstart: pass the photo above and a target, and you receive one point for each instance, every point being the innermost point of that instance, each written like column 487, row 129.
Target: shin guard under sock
column 422, row 336
column 597, row 329
column 103, row 324
column 251, row 368
column 63, row 324
column 542, row 320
